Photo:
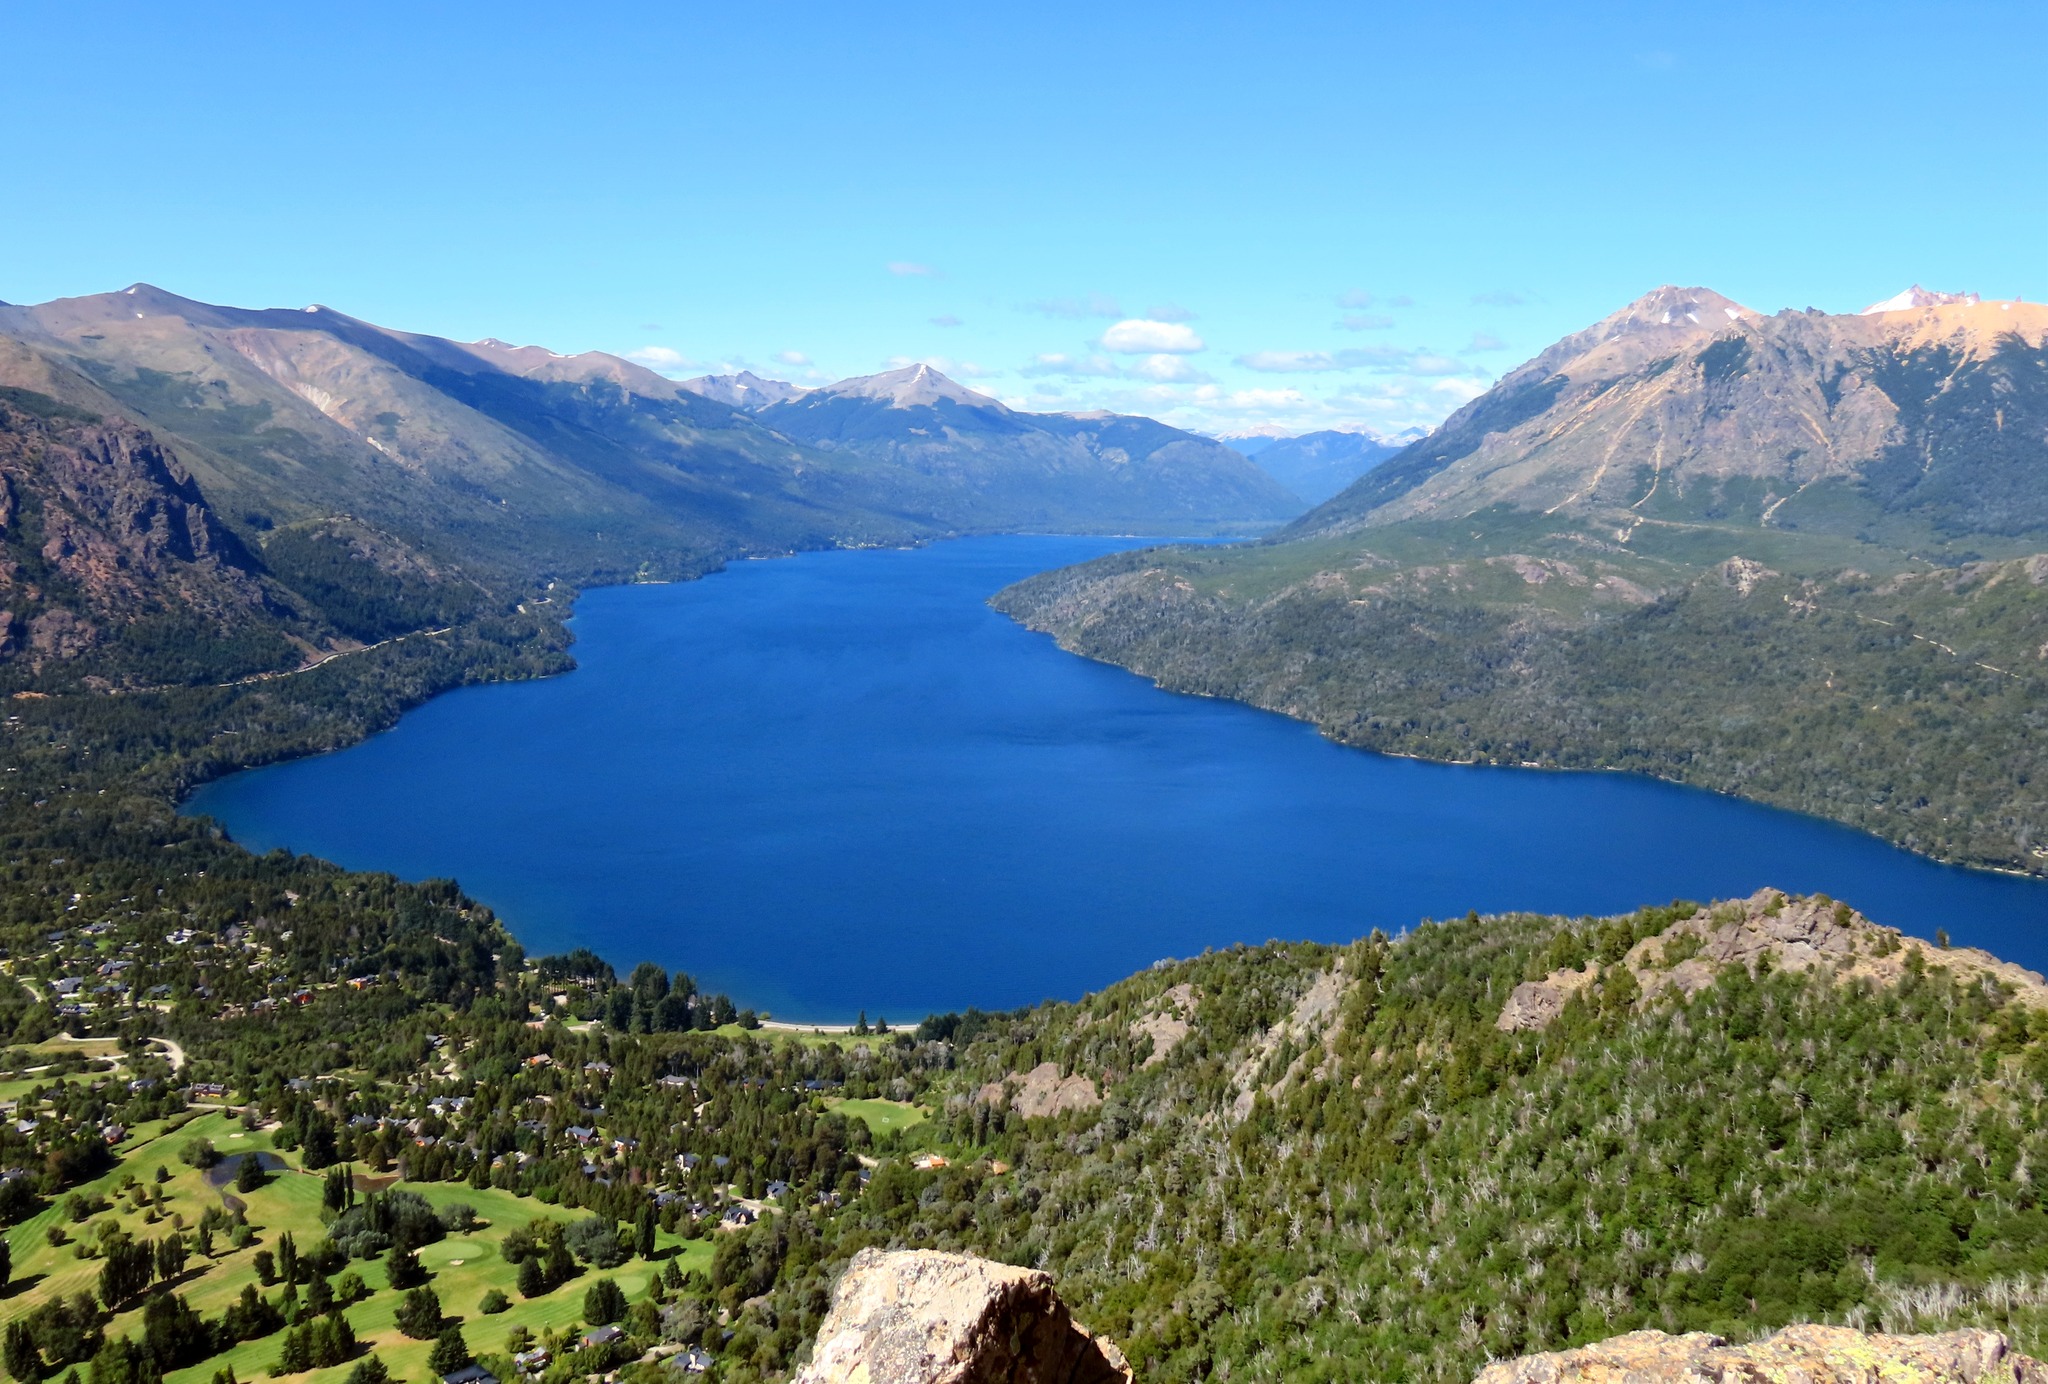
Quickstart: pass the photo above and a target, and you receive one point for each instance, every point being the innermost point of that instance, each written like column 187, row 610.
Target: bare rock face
column 1042, row 1091
column 1796, row 1355
column 921, row 1317
column 1535, row 1003
column 1167, row 1023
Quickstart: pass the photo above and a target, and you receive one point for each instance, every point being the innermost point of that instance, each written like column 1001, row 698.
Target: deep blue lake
column 839, row 781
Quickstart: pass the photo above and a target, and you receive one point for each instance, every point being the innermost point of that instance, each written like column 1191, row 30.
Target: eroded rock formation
column 1042, row 1091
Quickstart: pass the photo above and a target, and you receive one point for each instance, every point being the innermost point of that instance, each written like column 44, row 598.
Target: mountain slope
column 485, row 453
column 1913, row 426
column 1048, row 469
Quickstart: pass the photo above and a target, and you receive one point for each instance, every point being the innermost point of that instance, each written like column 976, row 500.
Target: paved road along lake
column 839, row 782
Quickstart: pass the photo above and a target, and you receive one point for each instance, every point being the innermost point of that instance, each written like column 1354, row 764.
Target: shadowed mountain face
column 107, row 548
column 1906, row 425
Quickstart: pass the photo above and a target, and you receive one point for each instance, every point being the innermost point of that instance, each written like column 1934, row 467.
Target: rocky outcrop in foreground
column 1796, row 1355
column 921, row 1317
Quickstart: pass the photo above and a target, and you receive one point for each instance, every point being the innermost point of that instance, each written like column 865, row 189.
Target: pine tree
column 18, row 1351
column 402, row 1268
column 643, row 1233
column 450, row 1352
column 533, row 1279
column 419, row 1314
column 603, row 1302
column 170, row 1258
column 293, row 1357
column 561, row 1265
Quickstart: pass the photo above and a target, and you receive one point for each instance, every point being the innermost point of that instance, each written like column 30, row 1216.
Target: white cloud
column 1486, row 341
column 1070, row 367
column 911, row 269
column 1356, row 298
column 1169, row 312
column 1138, row 336
column 1166, row 369
column 1500, row 298
column 792, row 358
column 1428, row 363
column 1318, row 362
column 948, row 320
column 1094, row 305
column 664, row 360
column 1462, row 391
column 1288, row 362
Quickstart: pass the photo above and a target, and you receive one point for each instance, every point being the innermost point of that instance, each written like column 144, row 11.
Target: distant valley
column 198, row 493
column 1318, row 465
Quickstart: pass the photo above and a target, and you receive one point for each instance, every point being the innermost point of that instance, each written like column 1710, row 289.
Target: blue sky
column 1234, row 218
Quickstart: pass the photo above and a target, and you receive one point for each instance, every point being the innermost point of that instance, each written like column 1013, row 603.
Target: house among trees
column 472, row 1373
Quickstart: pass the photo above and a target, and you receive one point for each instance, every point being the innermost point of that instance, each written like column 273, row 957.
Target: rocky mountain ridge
column 1686, row 405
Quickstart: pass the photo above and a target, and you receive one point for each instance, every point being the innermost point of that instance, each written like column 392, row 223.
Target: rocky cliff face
column 1796, row 1355
column 100, row 526
column 920, row 1317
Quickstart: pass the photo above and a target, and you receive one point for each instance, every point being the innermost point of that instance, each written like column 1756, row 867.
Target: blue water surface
column 840, row 781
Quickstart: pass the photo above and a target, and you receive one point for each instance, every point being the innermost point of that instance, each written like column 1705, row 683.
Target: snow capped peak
column 1918, row 297
column 913, row 386
column 1671, row 306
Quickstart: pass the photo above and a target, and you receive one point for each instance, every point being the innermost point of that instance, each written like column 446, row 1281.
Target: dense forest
column 1905, row 703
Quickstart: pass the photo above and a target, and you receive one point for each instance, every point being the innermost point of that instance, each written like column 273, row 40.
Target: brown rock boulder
column 1796, row 1355
column 921, row 1317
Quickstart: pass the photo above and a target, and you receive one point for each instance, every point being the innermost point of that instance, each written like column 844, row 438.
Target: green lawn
column 463, row 1267
column 880, row 1116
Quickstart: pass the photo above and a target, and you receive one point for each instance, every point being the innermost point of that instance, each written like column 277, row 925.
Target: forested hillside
column 378, row 1140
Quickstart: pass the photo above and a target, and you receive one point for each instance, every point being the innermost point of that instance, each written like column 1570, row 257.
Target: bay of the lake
column 839, row 781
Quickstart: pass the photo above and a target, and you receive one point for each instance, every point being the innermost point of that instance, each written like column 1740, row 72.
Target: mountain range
column 1796, row 557
column 332, row 456
column 1317, row 465
column 1906, row 426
